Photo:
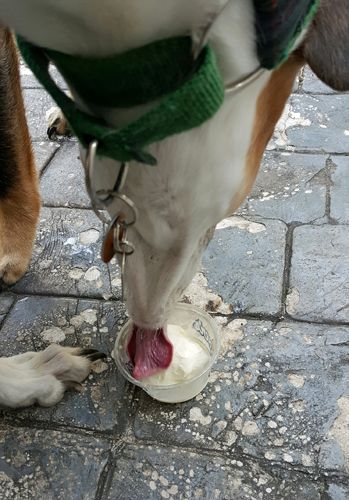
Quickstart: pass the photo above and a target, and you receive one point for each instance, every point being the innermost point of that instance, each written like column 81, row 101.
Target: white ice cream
column 190, row 358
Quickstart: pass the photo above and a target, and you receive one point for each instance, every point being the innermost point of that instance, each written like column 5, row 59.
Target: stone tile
column 313, row 85
column 66, row 258
column 36, row 322
column 63, row 183
column 338, row 491
column 50, row 465
column 156, row 473
column 319, row 123
column 43, row 153
column 274, row 394
column 319, row 279
column 37, row 102
column 290, row 187
column 6, row 301
column 340, row 189
column 244, row 264
column 29, row 81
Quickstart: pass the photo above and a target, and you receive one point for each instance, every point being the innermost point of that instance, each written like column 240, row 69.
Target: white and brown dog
column 202, row 175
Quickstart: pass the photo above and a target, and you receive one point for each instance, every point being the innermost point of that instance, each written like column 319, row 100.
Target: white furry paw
column 56, row 123
column 43, row 377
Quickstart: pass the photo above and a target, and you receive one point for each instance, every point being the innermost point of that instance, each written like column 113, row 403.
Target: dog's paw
column 43, row 377
column 56, row 123
column 13, row 267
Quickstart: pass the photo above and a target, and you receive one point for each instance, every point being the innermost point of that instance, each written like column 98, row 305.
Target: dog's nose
column 150, row 351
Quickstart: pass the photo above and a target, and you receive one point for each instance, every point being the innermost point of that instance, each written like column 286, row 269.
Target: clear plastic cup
column 201, row 326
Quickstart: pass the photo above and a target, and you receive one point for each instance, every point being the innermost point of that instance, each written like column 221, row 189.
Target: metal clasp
column 125, row 212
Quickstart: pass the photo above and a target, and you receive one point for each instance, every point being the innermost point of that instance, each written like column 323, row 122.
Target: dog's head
column 180, row 210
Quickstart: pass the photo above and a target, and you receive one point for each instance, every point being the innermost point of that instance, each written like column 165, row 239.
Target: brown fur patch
column 326, row 46
column 19, row 197
column 270, row 105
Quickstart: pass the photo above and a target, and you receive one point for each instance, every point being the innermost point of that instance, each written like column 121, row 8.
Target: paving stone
column 290, row 187
column 43, row 152
column 157, row 473
column 274, row 393
column 244, row 264
column 50, row 465
column 6, row 301
column 36, row 322
column 63, row 183
column 37, row 102
column 319, row 123
column 340, row 189
column 319, row 279
column 313, row 85
column 66, row 258
column 338, row 492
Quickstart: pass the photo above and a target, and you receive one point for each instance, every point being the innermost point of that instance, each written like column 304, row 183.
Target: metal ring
column 241, row 83
column 89, row 164
column 245, row 81
column 130, row 206
column 105, row 196
column 121, row 244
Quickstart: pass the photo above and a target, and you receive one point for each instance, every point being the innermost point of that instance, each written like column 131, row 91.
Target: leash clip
column 115, row 240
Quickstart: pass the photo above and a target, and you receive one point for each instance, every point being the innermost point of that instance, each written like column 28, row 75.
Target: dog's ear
column 326, row 46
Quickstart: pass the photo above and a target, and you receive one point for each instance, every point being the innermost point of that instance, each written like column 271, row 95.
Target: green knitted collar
column 186, row 93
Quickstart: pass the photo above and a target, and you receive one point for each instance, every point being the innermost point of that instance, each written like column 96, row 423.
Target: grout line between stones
column 315, row 474
column 48, row 162
column 287, row 265
column 229, row 317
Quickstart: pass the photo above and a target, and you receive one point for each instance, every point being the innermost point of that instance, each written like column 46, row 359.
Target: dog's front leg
column 19, row 195
column 43, row 377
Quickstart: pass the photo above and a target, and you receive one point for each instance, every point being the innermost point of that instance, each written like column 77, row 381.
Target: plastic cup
column 201, row 326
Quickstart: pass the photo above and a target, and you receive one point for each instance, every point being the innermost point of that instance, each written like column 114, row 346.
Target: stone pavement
column 274, row 420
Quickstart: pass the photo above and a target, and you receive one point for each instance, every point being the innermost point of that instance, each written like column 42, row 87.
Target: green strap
column 129, row 79
column 187, row 107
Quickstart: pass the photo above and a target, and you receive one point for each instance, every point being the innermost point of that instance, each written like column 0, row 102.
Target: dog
column 202, row 175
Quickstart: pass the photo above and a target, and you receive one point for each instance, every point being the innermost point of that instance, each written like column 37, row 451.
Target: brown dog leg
column 19, row 196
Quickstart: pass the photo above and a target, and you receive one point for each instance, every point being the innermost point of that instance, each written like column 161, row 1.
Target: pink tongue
column 150, row 351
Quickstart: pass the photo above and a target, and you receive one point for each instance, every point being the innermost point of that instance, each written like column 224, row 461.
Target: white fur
column 199, row 172
column 40, row 377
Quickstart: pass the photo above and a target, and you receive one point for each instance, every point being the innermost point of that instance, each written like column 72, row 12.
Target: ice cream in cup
column 195, row 340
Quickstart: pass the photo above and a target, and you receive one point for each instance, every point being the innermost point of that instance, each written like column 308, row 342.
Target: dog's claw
column 51, row 132
column 92, row 354
column 74, row 386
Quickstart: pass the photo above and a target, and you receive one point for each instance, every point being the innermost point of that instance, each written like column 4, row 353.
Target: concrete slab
column 319, row 279
column 37, row 103
column 319, row 123
column 244, row 264
column 66, row 259
column 50, row 464
column 290, row 187
column 63, row 184
column 43, row 153
column 312, row 85
column 157, row 472
column 340, row 189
